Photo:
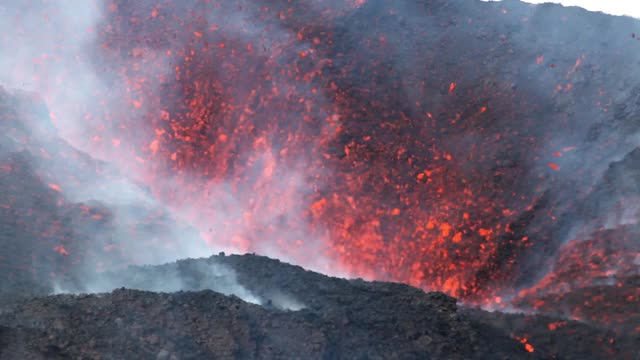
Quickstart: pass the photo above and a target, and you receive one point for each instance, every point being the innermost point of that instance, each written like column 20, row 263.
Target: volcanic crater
column 465, row 173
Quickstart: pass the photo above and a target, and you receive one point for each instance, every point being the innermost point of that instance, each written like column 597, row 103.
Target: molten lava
column 260, row 125
column 240, row 118
column 287, row 129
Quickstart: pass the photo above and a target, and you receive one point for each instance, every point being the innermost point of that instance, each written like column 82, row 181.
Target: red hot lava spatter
column 274, row 130
column 242, row 116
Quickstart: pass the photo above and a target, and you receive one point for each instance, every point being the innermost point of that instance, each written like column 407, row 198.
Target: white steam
column 203, row 276
column 45, row 48
column 43, row 51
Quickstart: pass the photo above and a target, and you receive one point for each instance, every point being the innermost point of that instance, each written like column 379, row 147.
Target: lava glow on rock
column 286, row 128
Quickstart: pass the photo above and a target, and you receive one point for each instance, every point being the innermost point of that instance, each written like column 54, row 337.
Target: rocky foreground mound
column 289, row 313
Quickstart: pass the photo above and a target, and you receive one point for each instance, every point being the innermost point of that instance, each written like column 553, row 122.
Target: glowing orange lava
column 273, row 130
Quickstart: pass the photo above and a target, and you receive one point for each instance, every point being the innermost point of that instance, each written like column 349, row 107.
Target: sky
column 614, row 7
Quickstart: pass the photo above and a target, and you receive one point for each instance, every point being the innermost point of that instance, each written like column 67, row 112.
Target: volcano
column 454, row 157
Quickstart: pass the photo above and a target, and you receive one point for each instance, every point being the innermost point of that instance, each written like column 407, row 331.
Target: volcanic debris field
column 478, row 163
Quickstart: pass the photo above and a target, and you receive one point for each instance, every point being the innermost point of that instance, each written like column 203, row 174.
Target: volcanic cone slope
column 333, row 319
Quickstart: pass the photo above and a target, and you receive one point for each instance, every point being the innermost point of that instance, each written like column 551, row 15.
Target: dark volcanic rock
column 336, row 319
column 594, row 277
column 615, row 199
column 341, row 319
column 561, row 339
